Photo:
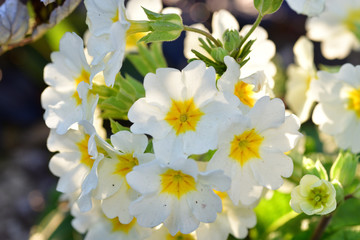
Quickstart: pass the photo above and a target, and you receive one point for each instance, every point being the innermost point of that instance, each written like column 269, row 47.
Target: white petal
column 128, row 142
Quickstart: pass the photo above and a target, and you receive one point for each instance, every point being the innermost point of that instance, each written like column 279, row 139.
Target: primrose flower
column 307, row 7
column 299, row 95
column 337, row 28
column 77, row 155
column 251, row 150
column 338, row 111
column 97, row 226
column 234, row 220
column 163, row 233
column 112, row 187
column 176, row 194
column 313, row 196
column 182, row 111
column 248, row 90
column 107, row 26
column 67, row 100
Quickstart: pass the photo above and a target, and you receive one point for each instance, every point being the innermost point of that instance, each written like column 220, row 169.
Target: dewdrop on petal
column 313, row 196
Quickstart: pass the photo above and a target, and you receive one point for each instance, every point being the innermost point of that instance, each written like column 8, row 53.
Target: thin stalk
column 254, row 26
column 206, row 34
column 320, row 228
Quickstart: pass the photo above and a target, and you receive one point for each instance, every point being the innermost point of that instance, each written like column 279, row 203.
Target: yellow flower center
column 245, row 93
column 83, row 148
column 179, row 236
column 118, row 226
column 354, row 101
column 132, row 39
column 245, row 146
column 83, row 77
column 352, row 22
column 318, row 196
column 125, row 164
column 183, row 116
column 177, row 183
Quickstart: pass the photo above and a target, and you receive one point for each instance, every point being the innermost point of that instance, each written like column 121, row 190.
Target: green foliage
column 117, row 127
column 163, row 27
column 148, row 59
column 115, row 102
column 267, row 6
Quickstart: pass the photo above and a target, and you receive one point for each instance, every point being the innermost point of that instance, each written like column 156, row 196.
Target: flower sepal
column 344, row 168
column 162, row 27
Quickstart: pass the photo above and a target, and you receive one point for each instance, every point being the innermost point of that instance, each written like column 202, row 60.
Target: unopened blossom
column 338, row 111
column 95, row 225
column 113, row 188
column 299, row 95
column 176, row 194
column 68, row 100
column 263, row 50
column 337, row 28
column 248, row 90
column 182, row 110
column 307, row 7
column 234, row 220
column 313, row 196
column 252, row 150
column 107, row 25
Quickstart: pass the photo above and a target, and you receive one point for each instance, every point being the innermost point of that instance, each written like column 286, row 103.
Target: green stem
column 206, row 34
column 254, row 26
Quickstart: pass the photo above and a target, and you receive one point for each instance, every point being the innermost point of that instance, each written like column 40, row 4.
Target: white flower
column 251, row 150
column 77, row 153
column 163, row 233
column 176, row 194
column 313, row 196
column 235, row 220
column 182, row 110
column 307, row 7
column 299, row 96
column 112, row 186
column 336, row 28
column 107, row 25
column 67, row 100
column 14, row 21
column 338, row 111
column 97, row 226
column 248, row 89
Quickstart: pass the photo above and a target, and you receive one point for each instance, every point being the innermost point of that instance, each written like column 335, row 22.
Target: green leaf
column 158, row 55
column 116, row 127
column 267, row 6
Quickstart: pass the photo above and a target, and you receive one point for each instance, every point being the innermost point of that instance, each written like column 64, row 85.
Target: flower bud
column 344, row 168
column 162, row 27
column 339, row 191
column 314, row 168
column 219, row 53
column 231, row 40
column 313, row 196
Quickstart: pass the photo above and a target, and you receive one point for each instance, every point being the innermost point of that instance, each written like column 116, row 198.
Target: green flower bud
column 314, row 168
column 218, row 54
column 231, row 39
column 344, row 168
column 163, row 27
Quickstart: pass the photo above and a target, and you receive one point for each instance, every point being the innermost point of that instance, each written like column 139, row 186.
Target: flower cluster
column 205, row 142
